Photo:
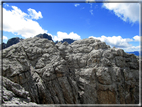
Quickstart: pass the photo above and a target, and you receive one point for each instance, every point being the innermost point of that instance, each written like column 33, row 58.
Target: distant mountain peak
column 15, row 40
column 68, row 40
column 134, row 52
column 47, row 36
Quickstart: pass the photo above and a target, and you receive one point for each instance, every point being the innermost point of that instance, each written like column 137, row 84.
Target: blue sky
column 117, row 24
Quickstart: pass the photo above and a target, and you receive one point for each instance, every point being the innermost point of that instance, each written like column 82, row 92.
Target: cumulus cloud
column 115, row 41
column 19, row 23
column 76, row 5
column 136, row 38
column 34, row 14
column 5, row 38
column 119, row 42
column 63, row 35
column 125, row 11
column 132, row 48
column 90, row 1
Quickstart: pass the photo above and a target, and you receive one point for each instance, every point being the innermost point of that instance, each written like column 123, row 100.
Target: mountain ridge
column 15, row 40
column 134, row 52
column 85, row 72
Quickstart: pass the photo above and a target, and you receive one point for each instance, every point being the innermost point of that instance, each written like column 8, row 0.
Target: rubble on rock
column 85, row 72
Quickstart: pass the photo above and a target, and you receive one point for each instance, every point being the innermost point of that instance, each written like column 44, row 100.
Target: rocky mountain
column 11, row 42
column 69, row 41
column 15, row 40
column 36, row 70
column 2, row 46
column 135, row 53
column 47, row 36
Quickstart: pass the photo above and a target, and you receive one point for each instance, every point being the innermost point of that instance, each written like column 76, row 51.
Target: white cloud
column 5, row 38
column 90, row 1
column 136, row 38
column 132, row 48
column 119, row 42
column 34, row 14
column 91, row 11
column 63, row 35
column 76, row 5
column 19, row 23
column 126, row 11
column 116, row 41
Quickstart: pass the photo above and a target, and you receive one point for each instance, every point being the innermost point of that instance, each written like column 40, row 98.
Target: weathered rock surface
column 14, row 94
column 85, row 72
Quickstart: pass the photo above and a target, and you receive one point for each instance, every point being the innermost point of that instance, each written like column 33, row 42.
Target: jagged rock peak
column 11, row 42
column 85, row 72
column 16, row 40
column 47, row 36
column 69, row 41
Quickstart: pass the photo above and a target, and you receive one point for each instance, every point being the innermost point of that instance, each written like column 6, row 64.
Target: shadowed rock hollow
column 85, row 72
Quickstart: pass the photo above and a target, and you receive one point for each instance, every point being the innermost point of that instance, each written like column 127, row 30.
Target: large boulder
column 85, row 72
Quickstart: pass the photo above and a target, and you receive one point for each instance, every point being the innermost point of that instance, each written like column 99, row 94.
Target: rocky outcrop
column 16, row 40
column 69, row 41
column 137, row 53
column 14, row 94
column 2, row 46
column 11, row 42
column 46, row 36
column 85, row 72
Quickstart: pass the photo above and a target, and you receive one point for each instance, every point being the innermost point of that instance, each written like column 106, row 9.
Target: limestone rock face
column 14, row 93
column 85, row 72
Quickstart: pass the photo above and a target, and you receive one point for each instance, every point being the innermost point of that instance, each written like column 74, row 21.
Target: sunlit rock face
column 84, row 72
